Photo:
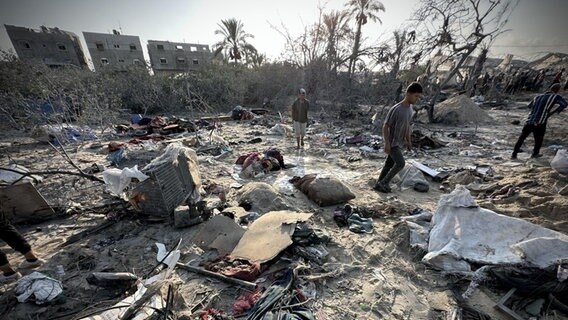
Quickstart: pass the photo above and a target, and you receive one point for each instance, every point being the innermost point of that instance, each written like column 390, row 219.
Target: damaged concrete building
column 175, row 57
column 114, row 50
column 51, row 46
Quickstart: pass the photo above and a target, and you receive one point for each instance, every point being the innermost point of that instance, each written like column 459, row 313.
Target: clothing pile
column 351, row 217
column 255, row 163
column 240, row 113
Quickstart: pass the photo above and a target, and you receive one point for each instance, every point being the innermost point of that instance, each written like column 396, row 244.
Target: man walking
column 396, row 134
column 15, row 240
column 300, row 117
column 542, row 107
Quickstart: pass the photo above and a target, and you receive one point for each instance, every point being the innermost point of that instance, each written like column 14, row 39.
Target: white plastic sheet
column 462, row 233
column 38, row 285
column 117, row 180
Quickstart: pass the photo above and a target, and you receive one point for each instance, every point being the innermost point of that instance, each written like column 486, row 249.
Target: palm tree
column 363, row 10
column 336, row 28
column 234, row 42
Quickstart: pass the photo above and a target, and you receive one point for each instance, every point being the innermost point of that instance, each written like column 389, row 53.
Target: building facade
column 175, row 57
column 115, row 51
column 51, row 46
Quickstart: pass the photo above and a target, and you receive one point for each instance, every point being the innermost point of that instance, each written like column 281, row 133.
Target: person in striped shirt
column 542, row 107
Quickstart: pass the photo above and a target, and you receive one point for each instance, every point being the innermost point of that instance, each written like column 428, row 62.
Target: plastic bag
column 409, row 177
column 560, row 162
column 117, row 180
column 38, row 285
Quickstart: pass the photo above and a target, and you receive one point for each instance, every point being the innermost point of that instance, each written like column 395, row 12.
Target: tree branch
column 79, row 174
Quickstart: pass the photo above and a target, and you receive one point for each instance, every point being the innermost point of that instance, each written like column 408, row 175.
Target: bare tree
column 458, row 28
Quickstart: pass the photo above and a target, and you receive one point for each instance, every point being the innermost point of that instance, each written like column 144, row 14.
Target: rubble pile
column 218, row 218
column 460, row 110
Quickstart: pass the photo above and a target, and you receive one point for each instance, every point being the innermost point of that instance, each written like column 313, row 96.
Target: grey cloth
column 398, row 119
column 359, row 224
column 300, row 110
column 395, row 162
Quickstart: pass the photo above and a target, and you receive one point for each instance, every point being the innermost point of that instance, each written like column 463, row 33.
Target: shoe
column 534, row 156
column 514, row 157
column 11, row 278
column 31, row 264
column 382, row 188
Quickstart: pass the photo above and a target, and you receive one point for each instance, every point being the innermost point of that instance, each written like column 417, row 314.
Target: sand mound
column 460, row 110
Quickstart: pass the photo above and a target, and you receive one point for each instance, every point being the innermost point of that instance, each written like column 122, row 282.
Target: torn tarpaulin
column 463, row 233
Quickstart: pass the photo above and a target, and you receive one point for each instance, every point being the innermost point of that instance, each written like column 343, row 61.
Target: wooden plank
column 218, row 276
column 217, row 118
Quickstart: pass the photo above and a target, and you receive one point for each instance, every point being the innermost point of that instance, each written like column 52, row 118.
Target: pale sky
column 538, row 25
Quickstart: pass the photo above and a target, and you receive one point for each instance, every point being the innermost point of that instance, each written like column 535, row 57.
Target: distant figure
column 266, row 103
column 15, row 240
column 541, row 109
column 300, row 117
column 558, row 76
column 396, row 134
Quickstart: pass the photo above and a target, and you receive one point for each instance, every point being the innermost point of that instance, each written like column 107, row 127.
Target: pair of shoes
column 536, row 156
column 11, row 278
column 31, row 264
column 382, row 188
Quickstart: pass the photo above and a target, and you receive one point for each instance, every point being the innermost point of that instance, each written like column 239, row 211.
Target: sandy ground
column 373, row 276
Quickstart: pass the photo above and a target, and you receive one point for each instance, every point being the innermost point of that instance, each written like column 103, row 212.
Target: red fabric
column 114, row 146
column 237, row 269
column 247, row 115
column 246, row 301
column 241, row 159
column 158, row 122
column 210, row 314
column 250, row 159
column 243, row 272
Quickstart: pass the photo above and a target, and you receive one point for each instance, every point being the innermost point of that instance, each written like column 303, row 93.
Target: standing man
column 15, row 240
column 300, row 117
column 541, row 109
column 396, row 134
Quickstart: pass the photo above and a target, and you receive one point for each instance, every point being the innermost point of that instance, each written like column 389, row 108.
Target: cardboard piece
column 22, row 202
column 268, row 236
column 220, row 233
